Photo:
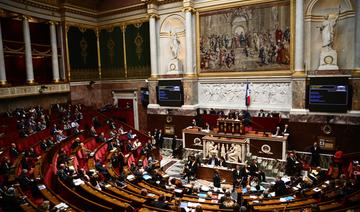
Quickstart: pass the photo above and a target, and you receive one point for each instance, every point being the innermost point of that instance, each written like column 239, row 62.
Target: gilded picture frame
column 246, row 39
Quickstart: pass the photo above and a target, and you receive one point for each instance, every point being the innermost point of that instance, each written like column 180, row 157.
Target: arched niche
column 315, row 10
column 173, row 23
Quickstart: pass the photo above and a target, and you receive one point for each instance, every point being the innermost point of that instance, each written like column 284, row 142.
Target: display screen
column 328, row 94
column 170, row 93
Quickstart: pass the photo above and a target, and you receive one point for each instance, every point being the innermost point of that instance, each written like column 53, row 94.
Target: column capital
column 123, row 27
column 188, row 5
column 188, row 9
column 24, row 17
column 53, row 22
column 97, row 32
column 153, row 15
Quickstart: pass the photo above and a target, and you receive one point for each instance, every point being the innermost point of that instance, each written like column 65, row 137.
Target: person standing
column 216, row 179
column 315, row 155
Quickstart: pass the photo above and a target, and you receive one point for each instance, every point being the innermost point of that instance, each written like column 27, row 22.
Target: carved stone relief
column 232, row 95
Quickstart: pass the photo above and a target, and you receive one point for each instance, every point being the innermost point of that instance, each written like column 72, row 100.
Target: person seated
column 255, row 171
column 44, row 145
column 160, row 203
column 228, row 203
column 13, row 151
column 130, row 135
column 285, row 131
column 193, row 123
column 213, row 160
column 24, row 180
column 93, row 132
column 101, row 169
column 54, row 130
column 261, row 113
column 101, row 138
column 279, row 187
column 277, row 132
column 222, row 162
column 292, row 166
column 60, row 136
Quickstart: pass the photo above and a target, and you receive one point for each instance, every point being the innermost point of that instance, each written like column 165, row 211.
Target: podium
column 230, row 126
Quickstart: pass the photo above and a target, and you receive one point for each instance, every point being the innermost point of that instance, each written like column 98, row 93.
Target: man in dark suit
column 213, row 161
column 238, row 177
column 315, row 155
column 255, row 171
column 217, row 179
column 279, row 188
column 160, row 139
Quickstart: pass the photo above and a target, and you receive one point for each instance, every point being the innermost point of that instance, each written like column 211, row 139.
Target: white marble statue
column 223, row 153
column 212, row 149
column 174, row 45
column 327, row 30
column 234, row 153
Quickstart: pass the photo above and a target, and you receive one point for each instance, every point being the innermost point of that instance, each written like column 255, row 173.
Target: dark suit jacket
column 217, row 180
column 253, row 169
column 211, row 159
column 280, row 188
column 237, row 175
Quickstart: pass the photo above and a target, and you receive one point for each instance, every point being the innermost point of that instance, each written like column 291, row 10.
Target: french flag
column 247, row 95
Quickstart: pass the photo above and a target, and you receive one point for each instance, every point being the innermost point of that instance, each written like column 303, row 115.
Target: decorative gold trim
column 298, row 74
column 190, row 76
column 3, row 83
column 197, row 33
column 30, row 82
column 123, row 29
column 120, row 23
column 188, row 8
column 153, row 15
column 246, row 74
column 56, row 81
column 98, row 51
column 237, row 4
column 292, row 35
column 356, row 72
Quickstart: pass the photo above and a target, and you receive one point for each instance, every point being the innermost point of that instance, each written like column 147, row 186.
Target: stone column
column 188, row 9
column 2, row 62
column 153, row 46
column 299, row 36
column 189, row 42
column 28, row 54
column 54, row 53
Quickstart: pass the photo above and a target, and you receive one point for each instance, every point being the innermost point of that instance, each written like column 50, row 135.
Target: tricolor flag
column 247, row 95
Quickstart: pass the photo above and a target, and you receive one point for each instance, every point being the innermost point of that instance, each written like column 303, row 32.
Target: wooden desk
column 207, row 173
column 261, row 146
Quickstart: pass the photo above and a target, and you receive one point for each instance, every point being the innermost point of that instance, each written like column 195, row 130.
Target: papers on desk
column 286, row 199
column 62, row 206
column 192, row 204
column 41, row 187
column 202, row 195
column 78, row 182
column 183, row 204
column 146, row 177
column 201, row 200
column 253, row 197
column 272, row 194
column 178, row 191
column 130, row 177
column 285, row 179
column 205, row 188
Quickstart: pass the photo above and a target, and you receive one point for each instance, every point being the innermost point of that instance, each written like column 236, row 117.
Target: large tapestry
column 248, row 38
column 137, row 40
column 112, row 53
column 82, row 54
